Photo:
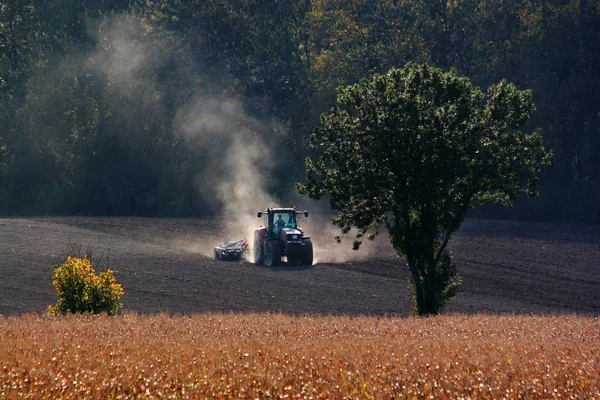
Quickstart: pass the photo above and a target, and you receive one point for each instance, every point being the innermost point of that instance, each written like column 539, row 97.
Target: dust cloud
column 328, row 251
column 123, row 54
column 236, row 148
column 239, row 163
column 240, row 168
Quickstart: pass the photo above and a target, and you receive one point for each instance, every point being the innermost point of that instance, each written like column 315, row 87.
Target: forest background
column 172, row 108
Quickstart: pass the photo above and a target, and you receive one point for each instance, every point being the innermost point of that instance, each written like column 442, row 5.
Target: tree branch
column 455, row 222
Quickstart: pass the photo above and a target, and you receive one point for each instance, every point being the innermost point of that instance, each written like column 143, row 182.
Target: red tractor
column 281, row 237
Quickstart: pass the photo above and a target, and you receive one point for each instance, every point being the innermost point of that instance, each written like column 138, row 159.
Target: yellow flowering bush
column 80, row 289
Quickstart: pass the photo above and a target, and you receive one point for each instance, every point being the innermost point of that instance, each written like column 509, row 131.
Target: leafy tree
column 414, row 149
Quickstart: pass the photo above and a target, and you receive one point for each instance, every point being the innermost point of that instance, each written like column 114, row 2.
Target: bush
column 80, row 289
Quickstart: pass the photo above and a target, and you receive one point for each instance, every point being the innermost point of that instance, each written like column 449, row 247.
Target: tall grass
column 277, row 356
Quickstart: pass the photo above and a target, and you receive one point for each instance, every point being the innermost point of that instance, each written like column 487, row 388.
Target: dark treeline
column 104, row 105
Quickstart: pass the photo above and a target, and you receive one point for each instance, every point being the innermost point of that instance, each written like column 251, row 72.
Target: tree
column 81, row 289
column 413, row 150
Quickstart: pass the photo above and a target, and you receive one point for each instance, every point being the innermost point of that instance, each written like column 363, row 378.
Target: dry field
column 270, row 356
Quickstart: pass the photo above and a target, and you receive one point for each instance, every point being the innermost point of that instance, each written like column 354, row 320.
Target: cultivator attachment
column 231, row 250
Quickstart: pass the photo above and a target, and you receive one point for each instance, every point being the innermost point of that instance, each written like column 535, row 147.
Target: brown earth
column 166, row 265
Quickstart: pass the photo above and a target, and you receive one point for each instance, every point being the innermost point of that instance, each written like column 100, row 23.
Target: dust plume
column 155, row 92
column 235, row 162
column 141, row 89
column 233, row 148
column 125, row 55
column 328, row 251
column 240, row 168
column 239, row 164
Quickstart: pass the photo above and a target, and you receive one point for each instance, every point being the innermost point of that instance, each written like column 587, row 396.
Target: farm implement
column 231, row 250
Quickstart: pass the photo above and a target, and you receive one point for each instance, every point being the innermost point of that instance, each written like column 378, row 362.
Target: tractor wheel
column 273, row 256
column 292, row 260
column 217, row 257
column 307, row 254
column 259, row 252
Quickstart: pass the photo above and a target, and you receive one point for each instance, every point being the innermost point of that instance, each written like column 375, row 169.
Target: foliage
column 88, row 107
column 278, row 356
column 81, row 290
column 414, row 149
column 542, row 45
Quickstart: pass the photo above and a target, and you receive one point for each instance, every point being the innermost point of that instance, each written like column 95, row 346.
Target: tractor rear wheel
column 273, row 256
column 307, row 254
column 259, row 252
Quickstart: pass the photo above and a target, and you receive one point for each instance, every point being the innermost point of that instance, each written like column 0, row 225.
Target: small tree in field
column 414, row 149
column 80, row 289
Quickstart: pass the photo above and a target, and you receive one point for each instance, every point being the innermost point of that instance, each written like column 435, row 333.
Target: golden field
column 269, row 356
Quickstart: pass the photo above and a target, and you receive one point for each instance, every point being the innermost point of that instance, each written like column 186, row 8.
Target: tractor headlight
column 294, row 237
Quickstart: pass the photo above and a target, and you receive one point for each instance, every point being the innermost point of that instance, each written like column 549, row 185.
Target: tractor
column 281, row 237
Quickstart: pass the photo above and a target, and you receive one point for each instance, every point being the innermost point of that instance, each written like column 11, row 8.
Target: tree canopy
column 413, row 150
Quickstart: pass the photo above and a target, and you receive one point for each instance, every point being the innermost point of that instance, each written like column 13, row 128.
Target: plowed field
column 166, row 265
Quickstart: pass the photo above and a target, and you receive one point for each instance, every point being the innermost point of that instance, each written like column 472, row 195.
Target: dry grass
column 278, row 356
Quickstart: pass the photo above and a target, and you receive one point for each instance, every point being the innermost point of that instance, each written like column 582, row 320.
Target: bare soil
column 166, row 265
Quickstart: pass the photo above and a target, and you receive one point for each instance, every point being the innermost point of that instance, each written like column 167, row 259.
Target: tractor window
column 283, row 220
column 279, row 220
column 290, row 220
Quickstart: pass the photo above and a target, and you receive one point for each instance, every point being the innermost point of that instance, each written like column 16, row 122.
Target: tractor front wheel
column 307, row 254
column 273, row 256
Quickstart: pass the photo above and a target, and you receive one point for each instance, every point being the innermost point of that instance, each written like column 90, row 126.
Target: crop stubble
column 262, row 355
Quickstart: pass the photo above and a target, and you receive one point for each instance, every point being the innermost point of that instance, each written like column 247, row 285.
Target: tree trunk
column 429, row 294
column 424, row 291
column 418, row 290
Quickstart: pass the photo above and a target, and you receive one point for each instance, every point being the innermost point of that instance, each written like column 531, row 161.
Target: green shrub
column 80, row 289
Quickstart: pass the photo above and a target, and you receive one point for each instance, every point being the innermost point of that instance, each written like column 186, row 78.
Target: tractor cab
column 281, row 221
column 278, row 220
